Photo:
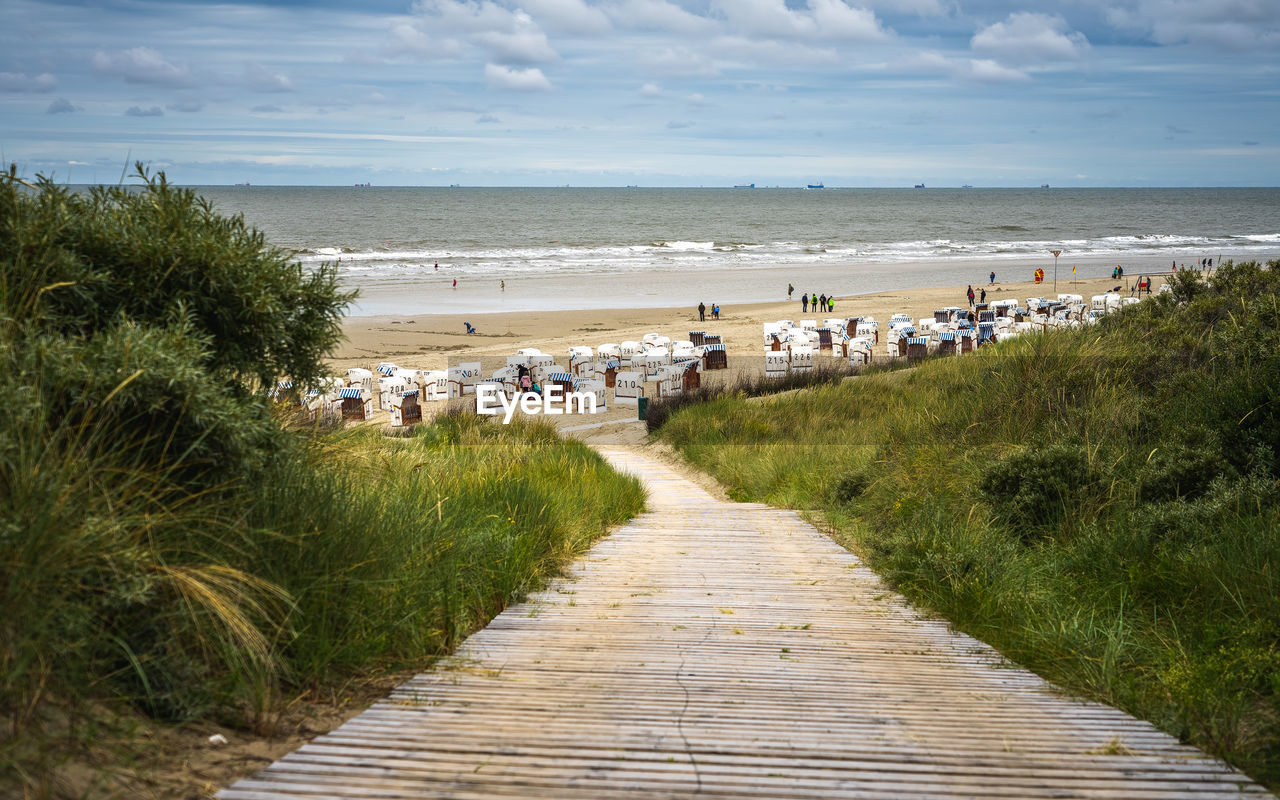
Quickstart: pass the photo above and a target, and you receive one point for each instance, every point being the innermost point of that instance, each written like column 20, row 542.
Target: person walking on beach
column 702, row 312
column 502, row 285
column 804, row 303
column 455, row 283
column 983, row 297
column 970, row 294
column 822, row 301
column 790, row 289
column 993, row 277
column 715, row 311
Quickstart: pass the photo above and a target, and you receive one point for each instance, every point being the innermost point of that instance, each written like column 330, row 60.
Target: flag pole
column 1056, row 253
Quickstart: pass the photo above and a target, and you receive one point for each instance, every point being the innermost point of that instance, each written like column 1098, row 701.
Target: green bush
column 850, row 485
column 1036, row 488
column 1182, row 470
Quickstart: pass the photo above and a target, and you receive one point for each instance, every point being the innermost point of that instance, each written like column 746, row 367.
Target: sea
column 512, row 249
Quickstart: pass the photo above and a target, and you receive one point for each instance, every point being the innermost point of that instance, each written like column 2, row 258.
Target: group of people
column 820, row 302
column 702, row 311
column 1202, row 264
column 981, row 297
column 526, row 381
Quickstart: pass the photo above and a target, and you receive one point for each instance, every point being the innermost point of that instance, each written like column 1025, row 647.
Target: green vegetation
column 1101, row 505
column 168, row 543
column 747, row 385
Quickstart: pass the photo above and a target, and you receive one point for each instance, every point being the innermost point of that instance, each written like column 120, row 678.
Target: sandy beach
column 434, row 341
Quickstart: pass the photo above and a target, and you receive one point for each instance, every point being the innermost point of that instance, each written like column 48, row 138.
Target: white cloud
column 510, row 37
column 1230, row 24
column 186, row 106
column 141, row 65
column 139, row 111
column 21, row 82
column 697, row 100
column 984, row 70
column 261, row 79
column 516, row 80
column 1029, row 38
column 824, row 19
column 569, row 16
column 969, row 70
column 836, row 20
column 524, row 44
column 408, row 39
column 658, row 15
column 61, row 106
column 651, row 90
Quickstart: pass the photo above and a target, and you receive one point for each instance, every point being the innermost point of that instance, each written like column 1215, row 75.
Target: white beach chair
column 777, row 363
column 628, row 387
column 596, row 389
column 581, row 360
column 463, row 379
column 654, row 359
column 387, row 387
column 802, row 359
column 629, row 352
column 607, row 351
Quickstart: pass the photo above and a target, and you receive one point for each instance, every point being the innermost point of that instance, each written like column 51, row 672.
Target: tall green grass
column 1100, row 505
column 356, row 552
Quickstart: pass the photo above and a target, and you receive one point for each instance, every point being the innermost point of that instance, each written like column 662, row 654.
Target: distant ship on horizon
column 815, row 186
column 919, row 186
column 745, row 186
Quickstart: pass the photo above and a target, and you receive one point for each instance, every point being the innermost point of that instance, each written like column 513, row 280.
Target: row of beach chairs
column 626, row 368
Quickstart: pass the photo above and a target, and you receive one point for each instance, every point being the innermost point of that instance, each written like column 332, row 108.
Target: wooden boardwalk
column 731, row 650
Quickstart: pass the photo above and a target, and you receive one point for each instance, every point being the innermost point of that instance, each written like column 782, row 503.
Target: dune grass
column 1101, row 505
column 355, row 552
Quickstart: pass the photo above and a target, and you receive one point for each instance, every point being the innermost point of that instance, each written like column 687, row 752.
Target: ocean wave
column 559, row 258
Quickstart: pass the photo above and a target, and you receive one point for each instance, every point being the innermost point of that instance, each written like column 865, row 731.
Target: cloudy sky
column 647, row 92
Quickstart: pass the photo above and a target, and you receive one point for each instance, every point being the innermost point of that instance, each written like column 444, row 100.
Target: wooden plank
column 730, row 650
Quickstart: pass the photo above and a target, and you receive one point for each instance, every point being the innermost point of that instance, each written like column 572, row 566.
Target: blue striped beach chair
column 947, row 343
column 714, row 356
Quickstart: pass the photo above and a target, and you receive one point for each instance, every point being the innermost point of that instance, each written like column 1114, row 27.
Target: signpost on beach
column 1056, row 253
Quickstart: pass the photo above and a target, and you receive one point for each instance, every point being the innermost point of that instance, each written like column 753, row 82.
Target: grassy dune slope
column 1100, row 505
